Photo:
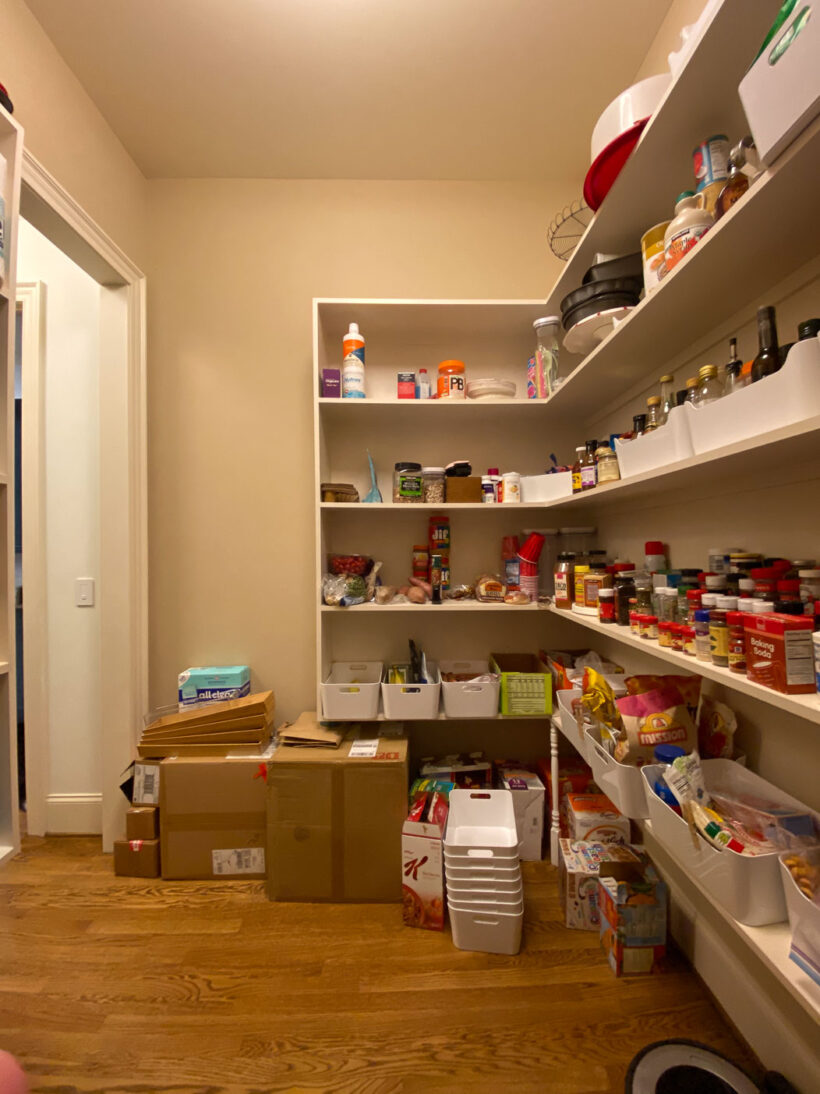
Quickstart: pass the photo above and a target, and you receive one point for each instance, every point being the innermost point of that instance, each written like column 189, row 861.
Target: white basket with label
column 413, row 701
column 622, row 783
column 351, row 691
column 748, row 887
column 469, row 698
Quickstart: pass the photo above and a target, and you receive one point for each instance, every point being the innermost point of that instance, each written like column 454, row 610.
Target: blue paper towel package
column 213, row 684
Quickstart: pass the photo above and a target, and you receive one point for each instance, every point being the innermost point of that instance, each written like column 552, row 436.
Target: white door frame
column 123, row 576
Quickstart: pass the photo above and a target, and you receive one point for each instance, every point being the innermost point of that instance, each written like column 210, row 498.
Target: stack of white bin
column 485, row 896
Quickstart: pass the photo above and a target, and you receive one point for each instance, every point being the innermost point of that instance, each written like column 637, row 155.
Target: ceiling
column 377, row 89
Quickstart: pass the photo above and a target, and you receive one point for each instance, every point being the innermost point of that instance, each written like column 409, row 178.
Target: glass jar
column 737, row 643
column 709, row 386
column 718, row 638
column 407, row 482
column 643, row 591
column 667, row 382
column 432, row 485
column 546, row 357
column 608, row 469
column 654, row 413
column 703, row 648
column 624, row 590
column 564, row 579
column 606, row 605
column 692, row 390
column 666, row 601
column 639, row 425
column 689, row 638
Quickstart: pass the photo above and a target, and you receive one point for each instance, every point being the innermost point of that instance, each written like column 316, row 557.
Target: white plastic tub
column 413, row 701
column 546, row 487
column 486, row 933
column 622, row 783
column 494, row 902
column 750, row 889
column 351, row 691
column 504, row 871
column 466, row 699
column 790, row 396
column 804, row 917
column 667, row 444
column 566, row 720
column 485, row 888
column 481, row 824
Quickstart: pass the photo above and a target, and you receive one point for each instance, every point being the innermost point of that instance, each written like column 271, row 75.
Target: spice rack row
column 453, row 607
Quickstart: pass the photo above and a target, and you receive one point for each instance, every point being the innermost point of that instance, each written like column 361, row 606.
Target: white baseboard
column 74, row 814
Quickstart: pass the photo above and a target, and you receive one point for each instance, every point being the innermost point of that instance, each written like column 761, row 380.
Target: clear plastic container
column 546, row 356
column 432, row 485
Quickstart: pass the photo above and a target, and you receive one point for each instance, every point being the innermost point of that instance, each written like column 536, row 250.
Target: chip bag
column 650, row 719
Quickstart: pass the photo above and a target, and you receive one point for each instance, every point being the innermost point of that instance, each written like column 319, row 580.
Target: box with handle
column 804, row 914
column 622, row 783
column 351, row 691
column 413, row 701
column 469, row 698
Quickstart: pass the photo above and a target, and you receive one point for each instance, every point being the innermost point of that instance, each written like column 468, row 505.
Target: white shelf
column 770, row 944
column 432, row 507
column 454, row 607
column 4, row 668
column 442, row 405
column 442, row 717
column 806, row 706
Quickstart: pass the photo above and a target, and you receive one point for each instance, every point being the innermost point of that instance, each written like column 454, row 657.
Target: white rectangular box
column 413, row 701
column 546, row 487
column 466, row 698
column 528, row 803
column 351, row 691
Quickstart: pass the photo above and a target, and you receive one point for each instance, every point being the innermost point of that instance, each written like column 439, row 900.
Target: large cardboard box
column 334, row 821
column 632, row 902
column 212, row 817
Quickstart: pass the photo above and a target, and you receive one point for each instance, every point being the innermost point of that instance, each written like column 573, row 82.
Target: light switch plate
column 84, row 592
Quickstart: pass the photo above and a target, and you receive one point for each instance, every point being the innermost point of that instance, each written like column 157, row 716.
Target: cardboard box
column 335, row 818
column 578, row 869
column 146, row 782
column 467, row 772
column 779, row 652
column 136, row 858
column 422, row 865
column 142, row 822
column 526, row 685
column 632, row 902
column 528, row 803
column 212, row 817
column 593, row 817
column 460, row 489
column 574, row 777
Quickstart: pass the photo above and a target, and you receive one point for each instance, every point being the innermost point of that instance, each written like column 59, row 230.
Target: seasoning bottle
column 665, row 633
column 639, row 425
column 581, row 570
column 709, row 387
column 718, row 638
column 655, row 556
column 635, row 618
column 667, row 602
column 733, row 380
column 677, row 636
column 608, row 469
column 435, row 578
column 654, row 415
column 703, row 648
column 580, row 454
column 624, row 590
column 693, row 604
column 649, row 627
column 692, row 390
column 589, row 478
column 689, row 640
column 564, row 579
column 727, row 603
column 668, row 400
column 606, row 605
column 643, row 591
column 767, row 361
column 594, row 581
column 736, row 185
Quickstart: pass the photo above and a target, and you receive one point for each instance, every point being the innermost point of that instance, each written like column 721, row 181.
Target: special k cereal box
column 594, row 817
column 422, row 862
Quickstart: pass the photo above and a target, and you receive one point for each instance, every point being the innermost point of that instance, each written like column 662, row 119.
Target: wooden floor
column 122, row 986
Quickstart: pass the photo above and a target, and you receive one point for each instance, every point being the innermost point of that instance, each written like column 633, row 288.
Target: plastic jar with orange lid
column 451, row 380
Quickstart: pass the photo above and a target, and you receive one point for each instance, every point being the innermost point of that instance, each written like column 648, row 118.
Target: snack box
column 594, row 817
column 574, row 777
column 422, row 862
column 471, row 772
column 578, row 867
column 779, row 652
column 632, row 903
column 528, row 804
column 213, row 684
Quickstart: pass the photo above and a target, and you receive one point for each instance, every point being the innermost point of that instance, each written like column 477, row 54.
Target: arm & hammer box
column 335, row 818
column 593, row 817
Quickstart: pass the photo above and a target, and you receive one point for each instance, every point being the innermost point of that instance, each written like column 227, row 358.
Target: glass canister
column 643, row 591
column 407, row 482
column 432, row 485
column 624, row 588
column 608, row 469
column 545, row 380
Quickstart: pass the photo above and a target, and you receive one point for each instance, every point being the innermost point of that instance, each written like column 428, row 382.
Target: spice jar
column 689, row 638
column 737, row 643
column 666, row 601
column 581, row 570
column 788, row 589
column 421, row 561
column 718, row 638
column 606, row 605
column 708, row 601
column 407, row 482
column 715, row 583
column 745, row 587
column 703, row 648
column 608, row 469
column 624, row 590
column 665, row 633
column 677, row 630
column 451, row 380
column 727, row 603
column 649, row 626
column 765, row 579
column 635, row 622
column 643, row 591
column 564, row 579
column 809, row 586
column 760, row 607
column 432, row 484
column 693, row 603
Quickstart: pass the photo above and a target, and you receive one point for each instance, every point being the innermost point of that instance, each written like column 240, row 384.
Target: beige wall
column 67, row 133
column 233, row 270
column 682, row 14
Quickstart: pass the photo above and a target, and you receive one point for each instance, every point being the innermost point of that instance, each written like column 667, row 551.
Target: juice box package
column 528, row 804
column 213, row 684
column 632, row 903
column 779, row 652
column 580, row 862
column 593, row 817
column 422, row 862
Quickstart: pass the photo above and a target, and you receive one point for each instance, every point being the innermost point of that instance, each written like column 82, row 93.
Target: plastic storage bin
column 566, row 720
column 526, row 685
column 546, row 487
column 667, row 444
column 804, row 917
column 622, row 783
column 465, row 699
column 750, row 889
column 413, row 701
column 788, row 397
column 496, row 932
column 483, row 888
column 351, row 691
column 481, row 820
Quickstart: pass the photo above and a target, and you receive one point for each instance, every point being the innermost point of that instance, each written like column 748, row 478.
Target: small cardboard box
column 578, row 879
column 422, row 868
column 526, row 685
column 460, row 489
column 142, row 822
column 593, row 817
column 574, row 777
column 136, row 858
column 528, row 803
column 632, row 902
column 779, row 652
column 335, row 818
column 212, row 817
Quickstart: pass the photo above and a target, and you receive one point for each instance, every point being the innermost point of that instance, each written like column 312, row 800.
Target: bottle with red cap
column 655, row 556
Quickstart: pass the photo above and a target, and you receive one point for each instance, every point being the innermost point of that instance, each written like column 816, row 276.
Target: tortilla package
column 688, row 686
column 653, row 718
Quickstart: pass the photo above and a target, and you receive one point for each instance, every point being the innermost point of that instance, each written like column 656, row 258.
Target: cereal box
column 593, row 817
column 632, row 904
column 578, row 879
column 422, row 862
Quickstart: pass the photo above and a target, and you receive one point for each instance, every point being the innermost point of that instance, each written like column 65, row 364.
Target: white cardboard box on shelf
column 528, row 802
column 546, row 487
column 622, row 783
column 781, row 91
column 351, row 691
column 469, row 698
column 413, row 701
column 789, row 396
column 667, row 444
column 748, row 887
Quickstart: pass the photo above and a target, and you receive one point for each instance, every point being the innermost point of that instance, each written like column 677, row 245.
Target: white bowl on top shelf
column 584, row 336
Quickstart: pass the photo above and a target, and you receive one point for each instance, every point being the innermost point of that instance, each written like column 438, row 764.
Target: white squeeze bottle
column 353, row 364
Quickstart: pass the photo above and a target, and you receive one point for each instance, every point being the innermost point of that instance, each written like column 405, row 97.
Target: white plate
column 590, row 332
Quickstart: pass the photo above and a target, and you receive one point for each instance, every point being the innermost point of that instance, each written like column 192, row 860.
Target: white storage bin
column 351, row 692
column 790, row 396
column 622, row 783
column 546, row 487
column 506, row 871
column 413, row 701
column 465, row 699
column 486, row 933
column 667, row 444
column 505, row 858
column 749, row 888
column 566, row 720
column 493, row 903
column 804, row 917
column 481, row 821
column 484, row 888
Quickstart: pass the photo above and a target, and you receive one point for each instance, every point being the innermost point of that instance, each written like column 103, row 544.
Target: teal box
column 213, row 684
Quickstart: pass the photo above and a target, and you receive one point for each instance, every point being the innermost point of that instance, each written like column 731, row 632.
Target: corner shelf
column 455, row 607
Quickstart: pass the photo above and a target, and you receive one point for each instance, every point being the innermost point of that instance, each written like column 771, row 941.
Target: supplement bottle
column 703, row 648
column 718, row 638
column 353, row 364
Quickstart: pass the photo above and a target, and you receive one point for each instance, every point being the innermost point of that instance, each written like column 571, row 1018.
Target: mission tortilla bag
column 653, row 718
